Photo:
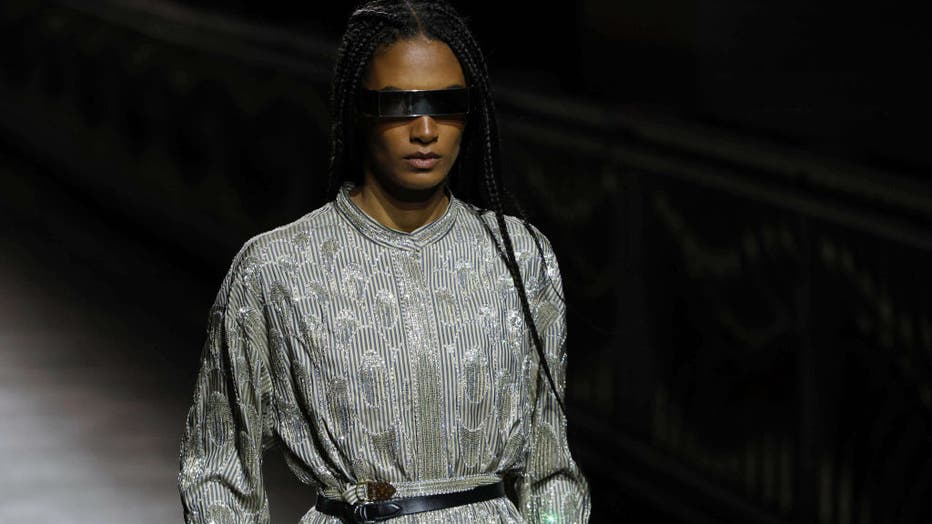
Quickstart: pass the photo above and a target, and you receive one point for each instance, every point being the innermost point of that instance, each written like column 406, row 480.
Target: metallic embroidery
column 280, row 297
column 506, row 401
column 215, row 327
column 373, row 354
column 488, row 318
column 219, row 420
column 314, row 335
column 470, row 445
column 374, row 383
column 506, row 286
column 286, row 262
column 291, row 423
column 514, row 325
column 279, row 362
column 252, row 423
column 546, row 314
column 466, row 277
column 193, row 464
column 475, row 377
column 220, row 513
column 243, row 392
column 446, row 303
column 317, row 292
column 247, row 318
column 386, row 443
column 385, row 308
column 546, row 441
column 328, row 250
column 428, row 451
column 363, row 469
column 304, row 393
column 301, row 240
column 338, row 404
column 353, row 281
column 248, row 455
column 249, row 274
column 345, row 326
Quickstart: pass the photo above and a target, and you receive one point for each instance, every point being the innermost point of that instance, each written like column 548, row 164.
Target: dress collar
column 378, row 232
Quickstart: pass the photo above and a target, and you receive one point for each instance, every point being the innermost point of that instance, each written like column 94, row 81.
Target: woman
column 391, row 340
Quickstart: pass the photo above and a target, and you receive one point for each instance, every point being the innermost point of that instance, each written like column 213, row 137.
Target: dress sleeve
column 553, row 488
column 230, row 423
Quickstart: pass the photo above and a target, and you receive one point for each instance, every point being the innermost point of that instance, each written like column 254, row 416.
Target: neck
column 398, row 208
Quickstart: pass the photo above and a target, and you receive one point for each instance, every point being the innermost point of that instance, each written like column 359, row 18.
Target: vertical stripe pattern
column 368, row 353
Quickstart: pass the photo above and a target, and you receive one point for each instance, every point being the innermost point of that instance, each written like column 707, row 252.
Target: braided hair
column 383, row 22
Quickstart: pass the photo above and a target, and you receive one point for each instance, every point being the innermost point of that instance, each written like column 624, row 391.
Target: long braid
column 493, row 182
column 383, row 22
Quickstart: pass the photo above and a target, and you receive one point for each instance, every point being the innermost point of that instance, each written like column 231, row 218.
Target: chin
column 405, row 183
column 418, row 180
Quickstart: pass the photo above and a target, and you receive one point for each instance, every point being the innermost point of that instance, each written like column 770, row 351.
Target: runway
column 100, row 333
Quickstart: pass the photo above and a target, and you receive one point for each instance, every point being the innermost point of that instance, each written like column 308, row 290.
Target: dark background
column 840, row 78
column 738, row 193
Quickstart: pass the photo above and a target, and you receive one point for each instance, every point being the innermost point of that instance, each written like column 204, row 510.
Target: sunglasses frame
column 371, row 102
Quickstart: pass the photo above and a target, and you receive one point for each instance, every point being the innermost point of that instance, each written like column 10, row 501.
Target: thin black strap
column 379, row 511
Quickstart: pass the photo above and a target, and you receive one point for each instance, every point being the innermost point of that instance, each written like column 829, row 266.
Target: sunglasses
column 415, row 102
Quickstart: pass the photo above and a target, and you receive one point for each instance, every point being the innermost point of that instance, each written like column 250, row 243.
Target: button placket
column 426, row 383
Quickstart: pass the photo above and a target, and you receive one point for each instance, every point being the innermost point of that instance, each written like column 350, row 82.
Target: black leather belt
column 379, row 511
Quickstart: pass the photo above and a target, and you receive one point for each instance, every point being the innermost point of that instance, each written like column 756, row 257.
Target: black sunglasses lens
column 394, row 104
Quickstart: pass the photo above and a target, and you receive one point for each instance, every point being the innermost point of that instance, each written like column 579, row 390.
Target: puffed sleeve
column 230, row 423
column 553, row 488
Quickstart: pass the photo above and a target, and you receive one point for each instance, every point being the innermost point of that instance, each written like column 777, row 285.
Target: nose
column 424, row 129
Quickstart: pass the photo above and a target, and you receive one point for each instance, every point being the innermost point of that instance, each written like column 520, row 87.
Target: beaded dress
column 371, row 354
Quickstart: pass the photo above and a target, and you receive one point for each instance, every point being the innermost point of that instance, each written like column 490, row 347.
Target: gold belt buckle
column 377, row 490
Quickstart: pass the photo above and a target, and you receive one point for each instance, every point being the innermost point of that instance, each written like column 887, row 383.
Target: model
column 391, row 341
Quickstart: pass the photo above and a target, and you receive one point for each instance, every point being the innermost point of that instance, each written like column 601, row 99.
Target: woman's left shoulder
column 527, row 236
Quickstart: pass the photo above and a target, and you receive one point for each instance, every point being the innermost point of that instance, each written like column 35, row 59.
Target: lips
column 423, row 159
column 422, row 162
column 421, row 154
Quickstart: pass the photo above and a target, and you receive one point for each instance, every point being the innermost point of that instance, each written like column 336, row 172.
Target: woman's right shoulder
column 289, row 240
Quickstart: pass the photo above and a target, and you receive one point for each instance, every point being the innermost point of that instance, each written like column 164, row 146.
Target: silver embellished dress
column 368, row 353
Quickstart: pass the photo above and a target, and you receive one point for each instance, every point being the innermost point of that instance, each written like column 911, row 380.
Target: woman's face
column 412, row 64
